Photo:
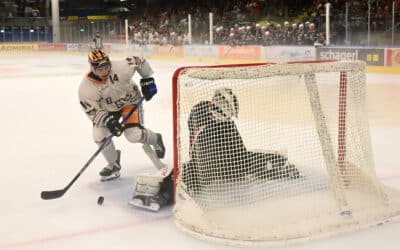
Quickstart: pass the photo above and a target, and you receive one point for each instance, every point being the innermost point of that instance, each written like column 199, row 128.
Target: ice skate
column 160, row 149
column 111, row 171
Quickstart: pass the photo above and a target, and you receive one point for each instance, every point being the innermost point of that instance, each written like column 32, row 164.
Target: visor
column 101, row 63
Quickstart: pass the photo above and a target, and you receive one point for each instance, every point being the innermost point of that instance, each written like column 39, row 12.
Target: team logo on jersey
column 120, row 102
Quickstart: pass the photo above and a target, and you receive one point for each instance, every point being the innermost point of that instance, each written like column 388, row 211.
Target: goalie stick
column 54, row 194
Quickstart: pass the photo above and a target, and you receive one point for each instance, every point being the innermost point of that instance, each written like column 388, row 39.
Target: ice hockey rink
column 46, row 139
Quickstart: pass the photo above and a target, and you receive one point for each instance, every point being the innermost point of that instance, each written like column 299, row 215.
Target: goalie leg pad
column 153, row 191
column 292, row 172
column 288, row 171
column 145, row 202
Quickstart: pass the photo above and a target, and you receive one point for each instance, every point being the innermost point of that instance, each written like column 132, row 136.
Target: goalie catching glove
column 154, row 191
column 149, row 88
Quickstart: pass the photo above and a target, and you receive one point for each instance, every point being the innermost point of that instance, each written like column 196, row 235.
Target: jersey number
column 113, row 78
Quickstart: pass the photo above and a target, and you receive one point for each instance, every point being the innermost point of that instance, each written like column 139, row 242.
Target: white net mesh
column 296, row 156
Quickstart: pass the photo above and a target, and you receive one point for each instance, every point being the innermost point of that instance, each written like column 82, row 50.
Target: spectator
column 35, row 11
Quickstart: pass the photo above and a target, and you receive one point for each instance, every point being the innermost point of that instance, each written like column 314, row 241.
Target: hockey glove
column 113, row 125
column 149, row 88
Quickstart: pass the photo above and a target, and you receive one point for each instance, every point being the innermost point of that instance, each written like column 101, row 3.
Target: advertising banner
column 288, row 53
column 133, row 49
column 18, row 47
column 200, row 51
column 76, row 47
column 52, row 47
column 145, row 50
column 73, row 46
column 375, row 57
column 121, row 48
column 168, row 50
column 239, row 52
column 372, row 56
column 393, row 58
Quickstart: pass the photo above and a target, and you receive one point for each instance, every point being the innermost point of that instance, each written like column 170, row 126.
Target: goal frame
column 335, row 161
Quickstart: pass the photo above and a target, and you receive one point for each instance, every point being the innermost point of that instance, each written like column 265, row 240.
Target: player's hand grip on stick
column 54, row 194
column 113, row 125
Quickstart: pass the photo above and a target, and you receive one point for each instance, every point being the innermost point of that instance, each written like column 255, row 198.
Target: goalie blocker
column 154, row 191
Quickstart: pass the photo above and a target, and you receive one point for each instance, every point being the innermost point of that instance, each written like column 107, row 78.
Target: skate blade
column 154, row 207
column 111, row 177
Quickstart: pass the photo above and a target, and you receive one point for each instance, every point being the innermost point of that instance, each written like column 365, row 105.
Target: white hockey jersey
column 98, row 98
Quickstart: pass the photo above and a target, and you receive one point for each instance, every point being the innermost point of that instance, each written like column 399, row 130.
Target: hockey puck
column 100, row 200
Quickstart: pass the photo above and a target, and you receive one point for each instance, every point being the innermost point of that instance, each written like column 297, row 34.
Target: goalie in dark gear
column 217, row 150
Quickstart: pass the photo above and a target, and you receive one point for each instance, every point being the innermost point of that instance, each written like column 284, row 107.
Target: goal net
column 275, row 153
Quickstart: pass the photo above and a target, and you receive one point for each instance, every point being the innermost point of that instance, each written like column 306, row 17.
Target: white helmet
column 225, row 103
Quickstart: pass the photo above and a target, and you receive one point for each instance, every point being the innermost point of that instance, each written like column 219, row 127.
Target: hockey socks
column 112, row 170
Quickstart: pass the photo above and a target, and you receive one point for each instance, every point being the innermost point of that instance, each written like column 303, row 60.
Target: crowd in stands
column 239, row 23
column 236, row 22
column 12, row 8
column 252, row 34
column 265, row 22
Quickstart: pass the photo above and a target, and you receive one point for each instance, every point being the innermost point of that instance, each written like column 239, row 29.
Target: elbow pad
column 145, row 70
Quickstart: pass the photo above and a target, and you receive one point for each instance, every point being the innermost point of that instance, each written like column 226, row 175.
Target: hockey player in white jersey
column 108, row 93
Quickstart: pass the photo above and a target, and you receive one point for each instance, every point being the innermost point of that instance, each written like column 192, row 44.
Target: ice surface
column 46, row 139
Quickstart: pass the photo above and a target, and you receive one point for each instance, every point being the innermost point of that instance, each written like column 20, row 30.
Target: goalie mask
column 99, row 63
column 225, row 104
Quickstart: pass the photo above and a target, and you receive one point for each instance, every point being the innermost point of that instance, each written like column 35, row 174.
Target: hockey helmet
column 225, row 103
column 98, row 59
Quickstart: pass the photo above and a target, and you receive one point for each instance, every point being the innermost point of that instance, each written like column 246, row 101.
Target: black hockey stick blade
column 49, row 195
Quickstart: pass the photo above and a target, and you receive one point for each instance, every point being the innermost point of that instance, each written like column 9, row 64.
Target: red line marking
column 79, row 233
column 11, row 70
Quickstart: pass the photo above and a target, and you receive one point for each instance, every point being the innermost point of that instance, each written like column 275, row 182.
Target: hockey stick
column 54, row 194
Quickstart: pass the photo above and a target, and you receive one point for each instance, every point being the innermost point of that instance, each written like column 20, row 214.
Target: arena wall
column 379, row 60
